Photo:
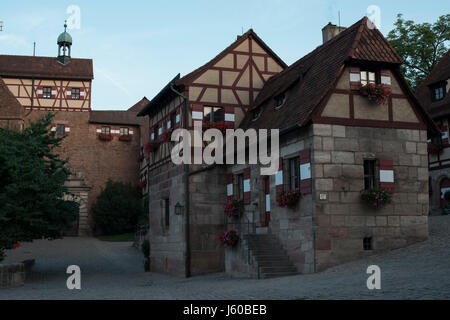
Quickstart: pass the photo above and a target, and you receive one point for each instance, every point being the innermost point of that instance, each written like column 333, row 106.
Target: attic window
column 438, row 92
column 368, row 77
column 280, row 100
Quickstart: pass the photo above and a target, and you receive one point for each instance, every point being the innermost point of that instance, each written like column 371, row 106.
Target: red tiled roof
column 250, row 33
column 116, row 117
column 45, row 67
column 9, row 106
column 310, row 78
column 440, row 72
column 139, row 105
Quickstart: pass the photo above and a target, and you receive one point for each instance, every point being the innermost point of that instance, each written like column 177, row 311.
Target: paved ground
column 114, row 271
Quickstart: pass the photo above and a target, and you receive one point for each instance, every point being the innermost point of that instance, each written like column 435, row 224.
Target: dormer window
column 368, row 77
column 280, row 100
column 438, row 92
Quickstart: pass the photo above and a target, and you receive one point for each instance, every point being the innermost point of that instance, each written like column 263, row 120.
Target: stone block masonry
column 343, row 220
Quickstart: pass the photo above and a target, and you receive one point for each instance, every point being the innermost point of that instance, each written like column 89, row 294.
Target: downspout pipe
column 186, row 188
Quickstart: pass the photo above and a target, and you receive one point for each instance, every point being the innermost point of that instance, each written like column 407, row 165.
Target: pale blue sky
column 138, row 46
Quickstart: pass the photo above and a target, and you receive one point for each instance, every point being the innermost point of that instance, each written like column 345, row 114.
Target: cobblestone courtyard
column 114, row 271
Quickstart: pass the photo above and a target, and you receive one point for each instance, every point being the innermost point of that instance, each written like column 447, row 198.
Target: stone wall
column 342, row 220
column 12, row 275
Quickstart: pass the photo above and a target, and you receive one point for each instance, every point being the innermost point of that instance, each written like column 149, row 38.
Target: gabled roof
column 310, row 78
column 250, row 33
column 440, row 72
column 45, row 67
column 139, row 105
column 115, row 117
column 10, row 107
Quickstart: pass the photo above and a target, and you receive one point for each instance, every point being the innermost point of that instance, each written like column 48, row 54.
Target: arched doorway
column 444, row 186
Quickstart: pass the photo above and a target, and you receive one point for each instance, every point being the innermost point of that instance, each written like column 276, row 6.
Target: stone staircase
column 271, row 259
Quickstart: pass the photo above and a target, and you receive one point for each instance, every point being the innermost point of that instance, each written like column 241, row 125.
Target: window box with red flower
column 377, row 93
column 376, row 198
column 151, row 146
column 105, row 137
column 142, row 184
column 288, row 199
column 167, row 135
column 234, row 207
column 228, row 238
column 125, row 138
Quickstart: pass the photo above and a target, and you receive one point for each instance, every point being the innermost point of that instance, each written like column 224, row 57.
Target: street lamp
column 178, row 209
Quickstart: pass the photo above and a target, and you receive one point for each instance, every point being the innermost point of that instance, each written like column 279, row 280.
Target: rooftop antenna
column 339, row 19
column 34, row 49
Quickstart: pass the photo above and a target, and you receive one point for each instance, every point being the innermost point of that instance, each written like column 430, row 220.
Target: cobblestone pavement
column 114, row 271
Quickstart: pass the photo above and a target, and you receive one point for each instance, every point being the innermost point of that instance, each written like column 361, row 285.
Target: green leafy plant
column 117, row 209
column 34, row 203
column 376, row 197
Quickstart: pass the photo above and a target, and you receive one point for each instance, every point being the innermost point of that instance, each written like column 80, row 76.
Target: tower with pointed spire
column 64, row 45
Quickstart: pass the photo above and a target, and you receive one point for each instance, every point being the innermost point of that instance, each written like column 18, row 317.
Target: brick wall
column 343, row 220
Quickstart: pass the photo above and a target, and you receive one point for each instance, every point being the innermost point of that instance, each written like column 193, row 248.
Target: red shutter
column 56, row 94
column 355, row 78
column 82, row 94
column 98, row 130
column 387, row 175
column 279, row 187
column 386, row 78
column 305, row 172
column 39, row 92
column 197, row 113
column 246, row 177
column 230, row 191
column 66, row 130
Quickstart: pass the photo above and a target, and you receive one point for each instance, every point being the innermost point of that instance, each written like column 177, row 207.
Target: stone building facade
column 433, row 93
column 32, row 86
column 334, row 143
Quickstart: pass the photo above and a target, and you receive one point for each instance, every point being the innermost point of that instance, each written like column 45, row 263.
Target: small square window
column 106, row 130
column 367, row 243
column 213, row 114
column 124, row 131
column 76, row 93
column 47, row 92
column 438, row 93
column 294, row 173
column 60, row 129
column 370, row 174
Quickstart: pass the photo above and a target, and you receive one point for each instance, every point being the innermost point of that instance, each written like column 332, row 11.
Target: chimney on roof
column 330, row 31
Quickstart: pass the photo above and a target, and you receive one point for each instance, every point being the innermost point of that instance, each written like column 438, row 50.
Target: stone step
column 271, row 258
column 275, row 263
column 262, row 252
column 277, row 274
column 277, row 269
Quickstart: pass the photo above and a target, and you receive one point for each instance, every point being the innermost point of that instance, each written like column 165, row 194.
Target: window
column 166, row 212
column 438, row 92
column 369, row 174
column 294, row 173
column 106, row 130
column 159, row 130
column 367, row 243
column 213, row 114
column 368, row 77
column 240, row 186
column 124, row 131
column 279, row 100
column 47, row 92
column 60, row 129
column 173, row 119
column 76, row 93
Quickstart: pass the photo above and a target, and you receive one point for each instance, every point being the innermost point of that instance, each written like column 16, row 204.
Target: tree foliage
column 421, row 45
column 33, row 198
column 117, row 209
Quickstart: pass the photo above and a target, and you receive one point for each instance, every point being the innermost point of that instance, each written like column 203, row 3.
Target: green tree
column 32, row 192
column 421, row 45
column 117, row 209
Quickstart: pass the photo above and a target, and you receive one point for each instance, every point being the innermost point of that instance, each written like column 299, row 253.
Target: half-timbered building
column 434, row 95
column 334, row 144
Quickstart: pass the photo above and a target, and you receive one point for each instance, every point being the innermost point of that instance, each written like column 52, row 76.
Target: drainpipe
column 186, row 187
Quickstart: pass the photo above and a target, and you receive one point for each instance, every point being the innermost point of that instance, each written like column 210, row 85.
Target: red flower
column 377, row 93
column 16, row 245
column 228, row 238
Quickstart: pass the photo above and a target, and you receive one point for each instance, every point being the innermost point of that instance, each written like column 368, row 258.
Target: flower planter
column 376, row 198
column 105, row 137
column 228, row 238
column 288, row 199
column 234, row 208
column 125, row 138
column 151, row 146
column 219, row 125
column 167, row 136
column 377, row 93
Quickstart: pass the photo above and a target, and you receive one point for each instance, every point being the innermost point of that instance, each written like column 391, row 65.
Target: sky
column 139, row 46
